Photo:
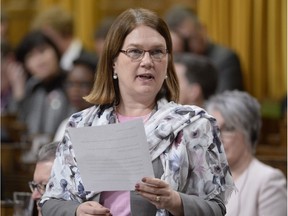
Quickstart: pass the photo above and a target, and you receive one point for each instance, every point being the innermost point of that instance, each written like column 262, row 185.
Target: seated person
column 79, row 83
column 197, row 78
column 44, row 104
column 186, row 23
column 261, row 188
column 45, row 160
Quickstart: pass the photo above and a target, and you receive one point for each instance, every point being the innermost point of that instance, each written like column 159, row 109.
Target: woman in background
column 261, row 188
column 44, row 103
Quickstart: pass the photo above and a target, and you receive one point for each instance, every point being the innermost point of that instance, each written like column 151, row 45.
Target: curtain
column 256, row 30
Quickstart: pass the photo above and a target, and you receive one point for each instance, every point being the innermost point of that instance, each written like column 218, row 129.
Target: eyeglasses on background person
column 40, row 187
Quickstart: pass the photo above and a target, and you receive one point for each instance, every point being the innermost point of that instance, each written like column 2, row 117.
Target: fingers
column 155, row 182
column 92, row 208
column 154, row 190
column 159, row 193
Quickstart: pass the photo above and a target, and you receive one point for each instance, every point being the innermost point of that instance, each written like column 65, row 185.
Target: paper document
column 112, row 157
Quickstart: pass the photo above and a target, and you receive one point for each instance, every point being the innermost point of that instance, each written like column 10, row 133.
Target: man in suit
column 184, row 22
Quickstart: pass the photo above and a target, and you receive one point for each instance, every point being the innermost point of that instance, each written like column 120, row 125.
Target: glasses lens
column 135, row 53
column 157, row 54
column 40, row 187
column 32, row 186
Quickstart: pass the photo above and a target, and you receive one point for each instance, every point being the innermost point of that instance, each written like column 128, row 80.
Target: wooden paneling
column 272, row 147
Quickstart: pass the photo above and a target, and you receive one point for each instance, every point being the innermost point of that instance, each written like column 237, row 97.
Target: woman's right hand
column 17, row 79
column 92, row 208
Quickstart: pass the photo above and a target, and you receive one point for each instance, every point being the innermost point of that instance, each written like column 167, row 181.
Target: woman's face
column 42, row 62
column 233, row 141
column 141, row 79
column 185, row 88
column 79, row 84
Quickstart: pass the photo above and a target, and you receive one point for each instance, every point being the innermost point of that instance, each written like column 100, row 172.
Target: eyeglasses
column 227, row 130
column 40, row 187
column 138, row 54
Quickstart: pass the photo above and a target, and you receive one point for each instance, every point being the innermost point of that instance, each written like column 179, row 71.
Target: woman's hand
column 17, row 79
column 92, row 208
column 160, row 194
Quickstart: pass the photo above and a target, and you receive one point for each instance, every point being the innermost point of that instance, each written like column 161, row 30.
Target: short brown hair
column 105, row 89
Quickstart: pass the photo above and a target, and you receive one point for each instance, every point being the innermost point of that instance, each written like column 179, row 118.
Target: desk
column 6, row 208
column 14, row 174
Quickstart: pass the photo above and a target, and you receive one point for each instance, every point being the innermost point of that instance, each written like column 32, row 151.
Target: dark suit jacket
column 227, row 62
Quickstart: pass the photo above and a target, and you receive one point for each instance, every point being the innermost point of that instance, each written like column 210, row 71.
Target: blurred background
column 255, row 29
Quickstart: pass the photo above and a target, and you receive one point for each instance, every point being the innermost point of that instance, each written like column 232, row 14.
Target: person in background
column 197, row 78
column 44, row 163
column 136, row 79
column 178, row 43
column 101, row 33
column 79, row 83
column 44, row 103
column 261, row 188
column 183, row 21
column 58, row 24
column 13, row 78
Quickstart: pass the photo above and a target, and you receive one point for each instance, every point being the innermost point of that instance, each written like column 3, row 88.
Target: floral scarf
column 185, row 138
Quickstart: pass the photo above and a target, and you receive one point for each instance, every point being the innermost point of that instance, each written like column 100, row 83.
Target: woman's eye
column 135, row 51
column 157, row 51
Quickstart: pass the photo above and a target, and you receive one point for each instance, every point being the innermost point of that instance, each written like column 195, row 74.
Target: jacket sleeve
column 194, row 205
column 54, row 207
column 62, row 207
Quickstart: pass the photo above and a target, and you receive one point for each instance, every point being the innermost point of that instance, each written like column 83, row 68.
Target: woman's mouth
column 145, row 76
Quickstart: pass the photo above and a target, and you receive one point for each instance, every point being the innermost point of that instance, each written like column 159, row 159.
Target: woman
column 261, row 188
column 79, row 82
column 136, row 79
column 44, row 103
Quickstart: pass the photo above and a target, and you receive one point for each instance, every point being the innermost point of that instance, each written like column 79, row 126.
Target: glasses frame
column 143, row 53
column 41, row 188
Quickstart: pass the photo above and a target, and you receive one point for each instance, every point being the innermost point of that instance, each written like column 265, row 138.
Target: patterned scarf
column 185, row 138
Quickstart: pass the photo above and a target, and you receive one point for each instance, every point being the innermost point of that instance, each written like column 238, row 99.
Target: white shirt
column 73, row 52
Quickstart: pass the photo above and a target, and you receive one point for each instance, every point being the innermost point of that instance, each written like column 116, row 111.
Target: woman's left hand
column 160, row 194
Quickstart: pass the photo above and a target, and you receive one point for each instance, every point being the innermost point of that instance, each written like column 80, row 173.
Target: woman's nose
column 147, row 60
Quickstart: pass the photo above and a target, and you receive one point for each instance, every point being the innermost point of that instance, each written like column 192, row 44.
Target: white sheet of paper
column 112, row 157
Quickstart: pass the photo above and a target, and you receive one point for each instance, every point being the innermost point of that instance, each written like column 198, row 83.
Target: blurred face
column 195, row 35
column 79, row 84
column 183, row 84
column 233, row 140
column 99, row 45
column 177, row 42
column 41, row 176
column 142, row 78
column 42, row 62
